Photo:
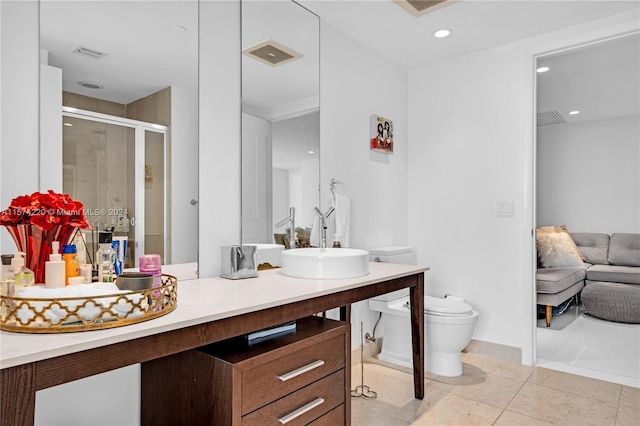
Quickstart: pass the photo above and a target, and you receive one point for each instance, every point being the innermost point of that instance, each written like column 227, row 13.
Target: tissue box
column 238, row 262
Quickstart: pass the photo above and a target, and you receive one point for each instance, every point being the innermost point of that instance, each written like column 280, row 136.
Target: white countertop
column 199, row 301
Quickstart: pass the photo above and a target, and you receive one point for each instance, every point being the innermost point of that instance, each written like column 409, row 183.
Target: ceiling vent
column 88, row 53
column 422, row 7
column 549, row 118
column 272, row 53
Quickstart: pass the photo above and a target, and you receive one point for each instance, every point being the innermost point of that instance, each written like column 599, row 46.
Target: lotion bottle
column 70, row 257
column 55, row 268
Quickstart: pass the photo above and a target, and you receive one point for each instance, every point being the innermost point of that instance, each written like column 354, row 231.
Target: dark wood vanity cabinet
column 300, row 377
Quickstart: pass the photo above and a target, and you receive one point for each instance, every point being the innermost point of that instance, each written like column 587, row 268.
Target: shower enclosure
column 118, row 168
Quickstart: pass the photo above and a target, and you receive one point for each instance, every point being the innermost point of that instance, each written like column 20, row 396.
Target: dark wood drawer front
column 303, row 406
column 334, row 417
column 277, row 378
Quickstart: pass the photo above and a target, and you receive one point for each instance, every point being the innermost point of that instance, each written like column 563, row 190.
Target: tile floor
column 492, row 392
column 590, row 347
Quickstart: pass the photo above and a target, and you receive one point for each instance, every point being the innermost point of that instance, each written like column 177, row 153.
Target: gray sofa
column 609, row 280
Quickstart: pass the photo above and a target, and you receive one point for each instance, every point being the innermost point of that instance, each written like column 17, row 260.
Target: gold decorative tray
column 71, row 314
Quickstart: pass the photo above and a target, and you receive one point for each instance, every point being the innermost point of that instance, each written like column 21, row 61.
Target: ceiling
column 601, row 81
column 145, row 52
column 402, row 38
column 145, row 48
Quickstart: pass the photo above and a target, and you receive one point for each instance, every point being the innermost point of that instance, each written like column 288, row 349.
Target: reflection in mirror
column 280, row 121
column 124, row 76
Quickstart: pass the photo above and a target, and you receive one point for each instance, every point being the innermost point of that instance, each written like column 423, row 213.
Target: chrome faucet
column 291, row 219
column 323, row 225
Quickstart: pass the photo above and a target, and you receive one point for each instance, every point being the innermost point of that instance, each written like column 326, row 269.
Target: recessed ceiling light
column 68, row 124
column 442, row 33
column 90, row 85
column 543, row 69
column 574, row 112
column 312, row 152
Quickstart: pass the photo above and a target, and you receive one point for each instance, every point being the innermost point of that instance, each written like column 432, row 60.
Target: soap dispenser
column 55, row 268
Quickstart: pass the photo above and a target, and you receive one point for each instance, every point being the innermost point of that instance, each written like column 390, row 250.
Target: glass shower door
column 117, row 168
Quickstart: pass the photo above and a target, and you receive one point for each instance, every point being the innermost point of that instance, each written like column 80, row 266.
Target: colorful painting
column 381, row 134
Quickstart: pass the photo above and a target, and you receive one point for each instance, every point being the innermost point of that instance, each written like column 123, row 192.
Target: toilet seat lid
column 448, row 307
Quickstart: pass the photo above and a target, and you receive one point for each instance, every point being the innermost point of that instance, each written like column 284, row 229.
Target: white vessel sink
column 325, row 264
column 268, row 253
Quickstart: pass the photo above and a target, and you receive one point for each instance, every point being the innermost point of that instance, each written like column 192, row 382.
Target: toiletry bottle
column 7, row 289
column 24, row 277
column 117, row 264
column 105, row 257
column 122, row 250
column 55, row 268
column 7, row 270
column 86, row 273
column 152, row 264
column 72, row 267
column 336, row 240
column 81, row 248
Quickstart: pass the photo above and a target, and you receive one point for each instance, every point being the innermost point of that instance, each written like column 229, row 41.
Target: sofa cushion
column 594, row 247
column 554, row 280
column 614, row 274
column 555, row 299
column 624, row 249
column 556, row 248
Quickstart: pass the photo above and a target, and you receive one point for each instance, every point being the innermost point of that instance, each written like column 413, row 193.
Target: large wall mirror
column 119, row 119
column 280, row 120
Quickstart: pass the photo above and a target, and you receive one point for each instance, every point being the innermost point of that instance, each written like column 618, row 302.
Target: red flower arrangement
column 35, row 221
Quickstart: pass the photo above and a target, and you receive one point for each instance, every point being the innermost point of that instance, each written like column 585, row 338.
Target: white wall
column 465, row 154
column 19, row 67
column 256, row 179
column 280, row 196
column 308, row 194
column 351, row 89
column 471, row 132
column 51, row 128
column 293, row 138
column 219, row 166
column 184, row 175
column 589, row 175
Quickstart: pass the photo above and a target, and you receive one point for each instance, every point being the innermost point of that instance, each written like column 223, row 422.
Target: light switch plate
column 504, row 208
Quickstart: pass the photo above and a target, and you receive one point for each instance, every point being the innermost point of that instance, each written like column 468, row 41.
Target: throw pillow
column 556, row 248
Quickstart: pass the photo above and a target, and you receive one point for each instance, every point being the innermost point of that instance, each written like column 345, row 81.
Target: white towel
column 342, row 204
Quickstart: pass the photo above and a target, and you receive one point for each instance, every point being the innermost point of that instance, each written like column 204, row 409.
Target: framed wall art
column 381, row 134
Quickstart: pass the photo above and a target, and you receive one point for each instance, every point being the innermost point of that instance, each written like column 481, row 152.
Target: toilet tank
column 393, row 254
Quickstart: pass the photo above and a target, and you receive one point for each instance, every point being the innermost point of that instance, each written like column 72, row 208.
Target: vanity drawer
column 267, row 382
column 303, row 406
column 332, row 418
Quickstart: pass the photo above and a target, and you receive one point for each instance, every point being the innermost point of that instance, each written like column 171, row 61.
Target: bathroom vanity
column 209, row 310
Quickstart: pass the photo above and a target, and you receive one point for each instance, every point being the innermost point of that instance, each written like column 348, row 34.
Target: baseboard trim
column 493, row 350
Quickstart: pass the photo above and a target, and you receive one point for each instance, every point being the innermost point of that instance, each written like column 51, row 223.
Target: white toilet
column 449, row 325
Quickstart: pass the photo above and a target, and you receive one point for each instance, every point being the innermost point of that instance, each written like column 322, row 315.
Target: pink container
column 152, row 264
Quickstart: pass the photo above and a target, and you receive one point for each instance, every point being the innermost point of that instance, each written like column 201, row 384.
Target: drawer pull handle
column 300, row 411
column 301, row 370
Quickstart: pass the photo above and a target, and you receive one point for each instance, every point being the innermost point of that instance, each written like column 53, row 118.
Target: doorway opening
column 587, row 162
